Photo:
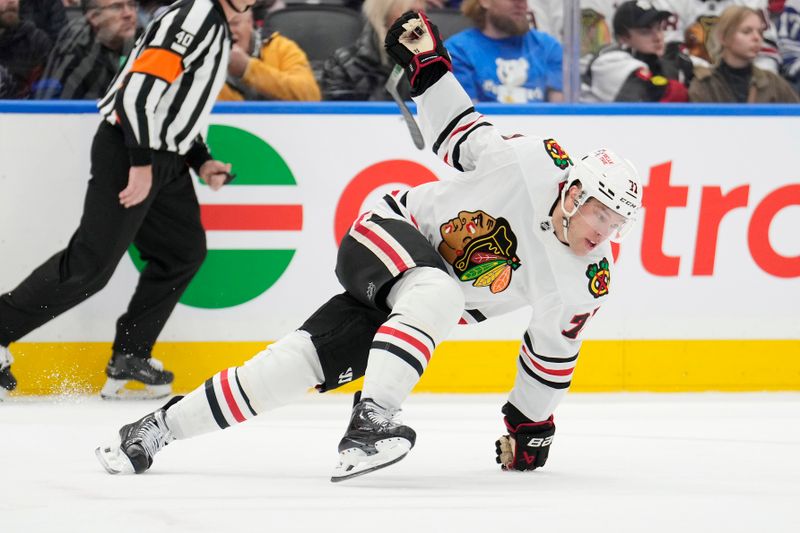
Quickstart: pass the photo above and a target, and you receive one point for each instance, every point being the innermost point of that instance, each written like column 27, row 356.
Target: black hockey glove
column 415, row 44
column 527, row 444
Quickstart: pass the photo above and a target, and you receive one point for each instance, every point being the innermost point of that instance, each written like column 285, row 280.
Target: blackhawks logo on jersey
column 599, row 278
column 481, row 248
column 557, row 154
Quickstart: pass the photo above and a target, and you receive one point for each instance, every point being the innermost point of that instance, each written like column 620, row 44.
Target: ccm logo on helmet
column 539, row 442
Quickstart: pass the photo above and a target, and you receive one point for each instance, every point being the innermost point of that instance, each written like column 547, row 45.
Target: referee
column 140, row 192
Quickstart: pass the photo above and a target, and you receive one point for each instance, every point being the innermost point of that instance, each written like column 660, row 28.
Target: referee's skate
column 147, row 375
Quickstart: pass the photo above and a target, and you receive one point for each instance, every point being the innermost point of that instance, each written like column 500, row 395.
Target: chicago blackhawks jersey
column 492, row 225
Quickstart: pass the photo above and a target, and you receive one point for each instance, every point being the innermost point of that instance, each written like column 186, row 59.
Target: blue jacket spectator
column 502, row 59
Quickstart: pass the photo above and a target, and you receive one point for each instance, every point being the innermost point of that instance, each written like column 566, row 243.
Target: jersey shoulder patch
column 559, row 156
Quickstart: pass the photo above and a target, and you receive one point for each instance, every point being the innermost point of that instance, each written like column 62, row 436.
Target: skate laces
column 154, row 434
column 5, row 358
column 381, row 416
column 156, row 363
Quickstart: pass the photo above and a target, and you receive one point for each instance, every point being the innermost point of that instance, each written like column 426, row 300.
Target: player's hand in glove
column 527, row 444
column 415, row 44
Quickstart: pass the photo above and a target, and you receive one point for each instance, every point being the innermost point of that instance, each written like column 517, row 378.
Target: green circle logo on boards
column 230, row 277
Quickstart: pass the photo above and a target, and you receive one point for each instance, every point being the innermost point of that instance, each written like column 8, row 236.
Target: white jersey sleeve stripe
column 555, row 382
column 445, row 107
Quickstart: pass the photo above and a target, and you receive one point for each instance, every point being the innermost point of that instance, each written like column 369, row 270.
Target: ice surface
column 621, row 463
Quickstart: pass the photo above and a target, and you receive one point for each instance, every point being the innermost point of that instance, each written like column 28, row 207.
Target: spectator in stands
column 637, row 69
column 502, row 59
column 692, row 21
column 273, row 69
column 787, row 21
column 89, row 51
column 48, row 15
column 23, row 52
column 359, row 71
column 734, row 45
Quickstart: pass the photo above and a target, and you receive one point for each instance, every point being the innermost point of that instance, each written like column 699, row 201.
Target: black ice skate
column 138, row 443
column 124, row 369
column 373, row 440
column 7, row 380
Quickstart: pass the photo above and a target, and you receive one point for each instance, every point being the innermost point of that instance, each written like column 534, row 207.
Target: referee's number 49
column 183, row 38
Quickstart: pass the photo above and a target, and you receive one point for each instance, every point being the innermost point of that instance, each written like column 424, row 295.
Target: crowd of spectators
column 506, row 51
column 639, row 67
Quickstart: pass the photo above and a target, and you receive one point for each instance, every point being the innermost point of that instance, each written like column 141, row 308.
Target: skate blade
column 113, row 460
column 123, row 389
column 354, row 462
column 3, row 394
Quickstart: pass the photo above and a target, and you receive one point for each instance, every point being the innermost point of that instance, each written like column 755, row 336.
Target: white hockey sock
column 279, row 375
column 220, row 402
column 397, row 359
column 426, row 304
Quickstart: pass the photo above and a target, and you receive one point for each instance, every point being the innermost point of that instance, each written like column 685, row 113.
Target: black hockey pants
column 165, row 228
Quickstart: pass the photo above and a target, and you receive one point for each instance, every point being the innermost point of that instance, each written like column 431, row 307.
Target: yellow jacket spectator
column 273, row 69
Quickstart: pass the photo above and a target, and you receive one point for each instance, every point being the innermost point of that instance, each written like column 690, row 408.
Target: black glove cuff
column 427, row 76
column 514, row 416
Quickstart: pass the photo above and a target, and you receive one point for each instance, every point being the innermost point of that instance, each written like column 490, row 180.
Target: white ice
column 621, row 463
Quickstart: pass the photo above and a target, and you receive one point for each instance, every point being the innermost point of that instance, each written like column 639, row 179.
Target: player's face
column 460, row 231
column 648, row 40
column 592, row 225
column 745, row 43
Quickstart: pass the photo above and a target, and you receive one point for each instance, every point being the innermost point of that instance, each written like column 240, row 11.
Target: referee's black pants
column 165, row 228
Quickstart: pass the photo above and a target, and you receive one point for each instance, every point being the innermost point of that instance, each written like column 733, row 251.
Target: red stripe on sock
column 402, row 335
column 226, row 390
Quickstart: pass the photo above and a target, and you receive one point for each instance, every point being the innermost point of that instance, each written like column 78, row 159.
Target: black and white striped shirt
column 163, row 94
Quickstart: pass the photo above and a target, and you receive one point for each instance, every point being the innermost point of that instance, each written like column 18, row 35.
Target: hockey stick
column 391, row 88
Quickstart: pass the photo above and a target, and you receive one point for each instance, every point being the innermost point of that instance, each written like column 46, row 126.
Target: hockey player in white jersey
column 522, row 225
